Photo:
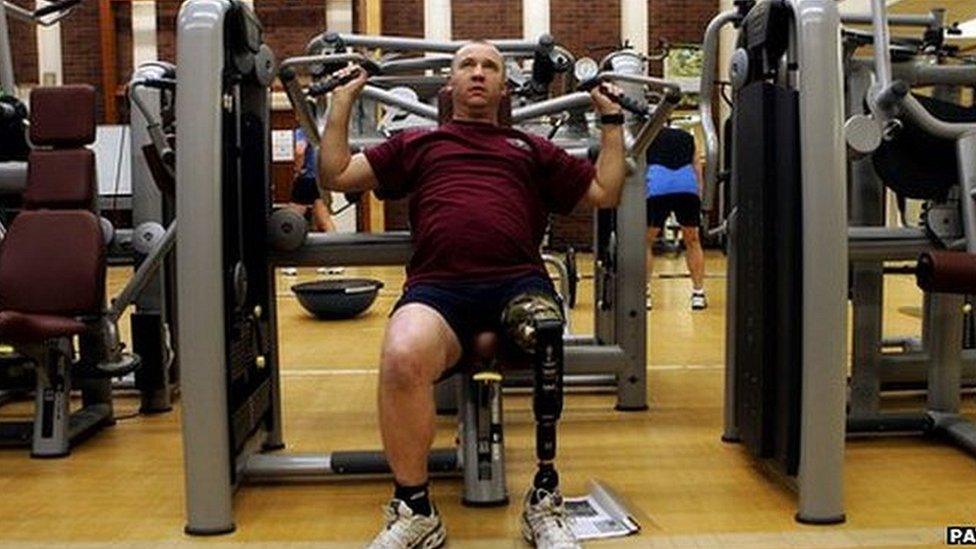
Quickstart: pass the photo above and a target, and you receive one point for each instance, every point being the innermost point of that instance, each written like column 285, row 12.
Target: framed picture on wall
column 683, row 65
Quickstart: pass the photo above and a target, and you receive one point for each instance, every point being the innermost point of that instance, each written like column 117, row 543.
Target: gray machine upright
column 786, row 346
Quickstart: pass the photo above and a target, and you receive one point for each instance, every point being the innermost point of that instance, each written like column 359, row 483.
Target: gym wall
column 24, row 47
column 482, row 18
column 166, row 11
column 81, row 50
column 581, row 25
column 289, row 25
column 403, row 17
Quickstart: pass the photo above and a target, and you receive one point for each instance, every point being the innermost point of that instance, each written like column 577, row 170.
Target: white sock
column 698, row 291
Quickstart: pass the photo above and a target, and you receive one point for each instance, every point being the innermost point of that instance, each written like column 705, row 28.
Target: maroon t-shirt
column 479, row 197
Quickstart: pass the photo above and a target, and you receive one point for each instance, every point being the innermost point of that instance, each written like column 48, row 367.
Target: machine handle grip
column 637, row 107
column 332, row 82
column 55, row 7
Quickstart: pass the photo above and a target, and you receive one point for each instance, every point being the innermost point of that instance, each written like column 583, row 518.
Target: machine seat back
column 52, row 260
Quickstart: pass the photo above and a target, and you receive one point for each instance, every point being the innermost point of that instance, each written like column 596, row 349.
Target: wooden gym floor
column 124, row 488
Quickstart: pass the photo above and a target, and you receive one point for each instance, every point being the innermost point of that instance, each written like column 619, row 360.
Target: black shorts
column 471, row 308
column 305, row 191
column 686, row 207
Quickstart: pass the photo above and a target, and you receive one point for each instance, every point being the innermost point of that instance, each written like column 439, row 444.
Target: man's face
column 478, row 78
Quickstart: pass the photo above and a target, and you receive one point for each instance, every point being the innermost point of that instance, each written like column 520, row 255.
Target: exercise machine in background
column 786, row 390
column 787, row 241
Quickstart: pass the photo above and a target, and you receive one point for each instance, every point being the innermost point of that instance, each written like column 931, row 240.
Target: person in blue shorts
column 674, row 185
column 306, row 199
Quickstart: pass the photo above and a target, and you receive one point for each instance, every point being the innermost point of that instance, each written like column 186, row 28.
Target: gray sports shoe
column 406, row 530
column 544, row 524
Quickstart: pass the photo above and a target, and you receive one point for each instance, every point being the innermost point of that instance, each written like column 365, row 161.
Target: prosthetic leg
column 534, row 323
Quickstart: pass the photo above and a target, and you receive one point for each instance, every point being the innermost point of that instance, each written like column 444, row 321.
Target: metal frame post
column 206, row 445
column 710, row 47
column 147, row 206
column 275, row 439
column 824, row 234
column 943, row 341
column 7, row 82
column 629, row 310
column 867, row 208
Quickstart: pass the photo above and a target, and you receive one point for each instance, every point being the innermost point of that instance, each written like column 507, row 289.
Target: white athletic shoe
column 289, row 271
column 405, row 530
column 647, row 292
column 698, row 301
column 544, row 524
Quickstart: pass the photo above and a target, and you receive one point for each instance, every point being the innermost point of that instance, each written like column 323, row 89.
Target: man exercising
column 479, row 199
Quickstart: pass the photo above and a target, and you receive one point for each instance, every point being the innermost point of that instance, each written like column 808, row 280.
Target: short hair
column 476, row 41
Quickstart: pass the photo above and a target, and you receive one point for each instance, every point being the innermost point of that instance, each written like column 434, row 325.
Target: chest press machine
column 225, row 268
column 615, row 353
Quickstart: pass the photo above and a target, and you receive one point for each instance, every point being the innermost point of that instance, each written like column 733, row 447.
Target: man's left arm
column 611, row 168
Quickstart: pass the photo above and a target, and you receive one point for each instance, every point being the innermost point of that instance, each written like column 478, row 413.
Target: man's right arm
column 338, row 169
